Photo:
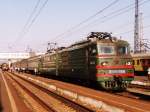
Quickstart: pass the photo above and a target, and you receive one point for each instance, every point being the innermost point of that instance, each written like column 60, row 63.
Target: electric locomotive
column 100, row 59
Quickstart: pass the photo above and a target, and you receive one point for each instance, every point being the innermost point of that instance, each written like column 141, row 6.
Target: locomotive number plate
column 116, row 71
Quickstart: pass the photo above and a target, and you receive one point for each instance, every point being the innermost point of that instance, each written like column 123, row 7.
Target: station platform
column 141, row 80
column 139, row 91
column 140, row 85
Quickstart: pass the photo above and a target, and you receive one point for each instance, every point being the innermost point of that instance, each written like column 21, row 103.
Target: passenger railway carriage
column 5, row 66
column 33, row 64
column 141, row 62
column 100, row 59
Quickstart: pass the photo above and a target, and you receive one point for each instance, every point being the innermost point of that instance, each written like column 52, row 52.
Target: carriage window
column 149, row 62
column 122, row 50
column 133, row 62
column 106, row 49
column 138, row 62
column 143, row 62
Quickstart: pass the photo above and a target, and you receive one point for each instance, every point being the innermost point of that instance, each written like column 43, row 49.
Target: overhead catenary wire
column 128, row 8
column 105, row 18
column 33, row 16
column 68, row 31
column 28, row 21
column 111, row 15
column 94, row 22
column 60, row 36
column 86, row 20
column 147, row 26
column 30, row 17
column 129, row 23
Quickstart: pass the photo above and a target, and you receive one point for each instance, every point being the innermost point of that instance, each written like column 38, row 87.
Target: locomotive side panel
column 77, row 63
column 33, row 64
column 23, row 65
column 17, row 65
column 48, row 64
column 64, row 68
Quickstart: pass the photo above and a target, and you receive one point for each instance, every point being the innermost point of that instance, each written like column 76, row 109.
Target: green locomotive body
column 97, row 59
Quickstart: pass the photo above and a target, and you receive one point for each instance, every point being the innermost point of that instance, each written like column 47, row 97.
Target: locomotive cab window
column 106, row 49
column 122, row 49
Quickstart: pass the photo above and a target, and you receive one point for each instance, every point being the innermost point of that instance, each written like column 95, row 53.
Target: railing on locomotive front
column 114, row 70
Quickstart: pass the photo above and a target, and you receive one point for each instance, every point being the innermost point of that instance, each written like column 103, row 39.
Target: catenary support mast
column 136, row 29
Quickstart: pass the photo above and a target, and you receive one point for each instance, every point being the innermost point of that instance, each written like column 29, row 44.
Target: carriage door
column 92, row 61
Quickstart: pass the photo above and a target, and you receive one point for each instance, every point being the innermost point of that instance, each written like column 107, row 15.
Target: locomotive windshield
column 106, row 49
column 122, row 50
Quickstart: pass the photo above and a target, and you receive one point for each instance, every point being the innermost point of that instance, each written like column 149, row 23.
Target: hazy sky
column 59, row 16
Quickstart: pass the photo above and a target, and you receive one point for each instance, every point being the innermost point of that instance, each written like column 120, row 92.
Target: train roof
column 94, row 37
column 141, row 55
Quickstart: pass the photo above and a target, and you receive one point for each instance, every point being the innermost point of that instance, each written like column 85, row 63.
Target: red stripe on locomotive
column 110, row 75
column 115, row 67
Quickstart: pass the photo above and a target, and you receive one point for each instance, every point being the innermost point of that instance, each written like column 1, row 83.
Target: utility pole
column 140, row 44
column 141, row 33
column 136, row 27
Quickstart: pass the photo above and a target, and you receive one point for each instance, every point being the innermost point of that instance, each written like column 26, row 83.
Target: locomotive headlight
column 128, row 63
column 104, row 63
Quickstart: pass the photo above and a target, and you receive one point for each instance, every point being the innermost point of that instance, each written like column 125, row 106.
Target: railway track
column 92, row 99
column 42, row 100
column 125, row 93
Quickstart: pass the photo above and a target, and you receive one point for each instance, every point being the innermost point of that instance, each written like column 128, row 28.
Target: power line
column 28, row 20
column 114, row 13
column 105, row 16
column 86, row 20
column 121, row 11
column 145, row 27
column 31, row 20
column 111, row 16
column 31, row 16
column 38, row 13
column 129, row 23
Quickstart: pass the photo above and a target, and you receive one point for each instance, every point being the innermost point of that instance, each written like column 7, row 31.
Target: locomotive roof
column 102, row 37
column 93, row 38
